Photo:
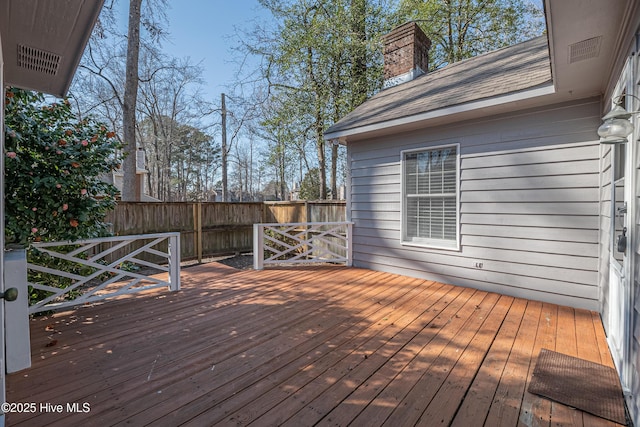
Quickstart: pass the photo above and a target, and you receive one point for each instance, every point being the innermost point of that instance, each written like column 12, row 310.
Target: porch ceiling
column 585, row 38
column 43, row 41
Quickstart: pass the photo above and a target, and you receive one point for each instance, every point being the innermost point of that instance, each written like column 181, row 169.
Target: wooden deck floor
column 315, row 346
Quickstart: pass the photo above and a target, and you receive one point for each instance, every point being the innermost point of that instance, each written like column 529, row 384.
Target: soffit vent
column 38, row 60
column 585, row 49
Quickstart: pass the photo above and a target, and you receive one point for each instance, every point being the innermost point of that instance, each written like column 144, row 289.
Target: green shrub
column 54, row 162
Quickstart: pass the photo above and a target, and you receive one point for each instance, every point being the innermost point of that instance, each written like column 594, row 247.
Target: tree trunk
column 320, row 143
column 334, row 171
column 251, row 170
column 358, row 12
column 322, row 162
column 283, row 162
column 129, row 192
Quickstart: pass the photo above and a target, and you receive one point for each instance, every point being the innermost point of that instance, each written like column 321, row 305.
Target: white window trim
column 428, row 243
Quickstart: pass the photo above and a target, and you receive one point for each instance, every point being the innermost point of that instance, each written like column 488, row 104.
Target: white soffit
column 43, row 41
column 583, row 35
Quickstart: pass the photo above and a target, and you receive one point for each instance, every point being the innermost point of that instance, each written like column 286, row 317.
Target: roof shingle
column 512, row 69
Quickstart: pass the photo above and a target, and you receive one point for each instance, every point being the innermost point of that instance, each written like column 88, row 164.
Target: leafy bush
column 54, row 163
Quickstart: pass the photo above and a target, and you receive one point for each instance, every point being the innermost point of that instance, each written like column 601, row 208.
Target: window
column 430, row 197
column 618, row 203
column 619, row 206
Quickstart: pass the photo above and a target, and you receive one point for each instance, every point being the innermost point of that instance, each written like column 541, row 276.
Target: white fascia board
column 455, row 109
column 550, row 34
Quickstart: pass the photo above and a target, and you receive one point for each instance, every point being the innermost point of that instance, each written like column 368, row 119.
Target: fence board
column 285, row 212
column 326, row 211
column 225, row 227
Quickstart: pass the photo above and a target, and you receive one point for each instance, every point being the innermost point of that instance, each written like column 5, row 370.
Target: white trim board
column 443, row 112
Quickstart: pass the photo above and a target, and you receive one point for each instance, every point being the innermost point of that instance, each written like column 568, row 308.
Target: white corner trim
column 455, row 109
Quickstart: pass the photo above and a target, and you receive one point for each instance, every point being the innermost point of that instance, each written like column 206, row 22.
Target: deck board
column 377, row 341
column 236, row 372
column 535, row 410
column 320, row 345
column 431, row 378
column 562, row 415
column 309, row 360
column 479, row 398
column 505, row 408
column 330, row 333
column 444, row 405
column 401, row 330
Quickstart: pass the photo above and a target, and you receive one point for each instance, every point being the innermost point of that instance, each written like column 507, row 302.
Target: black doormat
column 584, row 385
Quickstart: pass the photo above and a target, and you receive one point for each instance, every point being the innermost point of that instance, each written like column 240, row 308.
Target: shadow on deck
column 303, row 346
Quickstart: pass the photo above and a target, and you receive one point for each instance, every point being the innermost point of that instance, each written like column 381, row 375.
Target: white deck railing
column 109, row 267
column 300, row 243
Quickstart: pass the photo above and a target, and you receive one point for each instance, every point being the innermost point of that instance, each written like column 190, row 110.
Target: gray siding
column 530, row 205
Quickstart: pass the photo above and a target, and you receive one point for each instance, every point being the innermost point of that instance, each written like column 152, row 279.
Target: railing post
column 349, row 244
column 197, row 230
column 258, row 243
column 200, row 242
column 174, row 262
column 17, row 338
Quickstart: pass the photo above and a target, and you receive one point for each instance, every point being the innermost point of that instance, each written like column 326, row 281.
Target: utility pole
column 251, row 171
column 224, row 151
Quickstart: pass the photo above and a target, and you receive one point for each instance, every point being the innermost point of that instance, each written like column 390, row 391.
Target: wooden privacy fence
column 209, row 229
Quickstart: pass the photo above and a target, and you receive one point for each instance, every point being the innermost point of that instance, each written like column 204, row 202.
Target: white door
column 619, row 296
column 623, row 230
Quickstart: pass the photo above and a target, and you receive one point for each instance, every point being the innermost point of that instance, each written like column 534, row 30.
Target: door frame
column 3, row 364
column 621, row 277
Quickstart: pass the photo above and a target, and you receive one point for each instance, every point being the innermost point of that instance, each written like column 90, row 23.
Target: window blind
column 430, row 185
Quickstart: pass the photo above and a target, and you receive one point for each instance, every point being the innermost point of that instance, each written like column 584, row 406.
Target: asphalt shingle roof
column 512, row 69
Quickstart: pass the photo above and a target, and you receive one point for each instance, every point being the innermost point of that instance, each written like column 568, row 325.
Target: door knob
column 10, row 294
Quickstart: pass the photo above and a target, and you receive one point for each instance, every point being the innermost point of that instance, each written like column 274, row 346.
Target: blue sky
column 204, row 30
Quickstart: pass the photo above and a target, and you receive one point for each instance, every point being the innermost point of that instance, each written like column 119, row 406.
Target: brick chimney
column 406, row 54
